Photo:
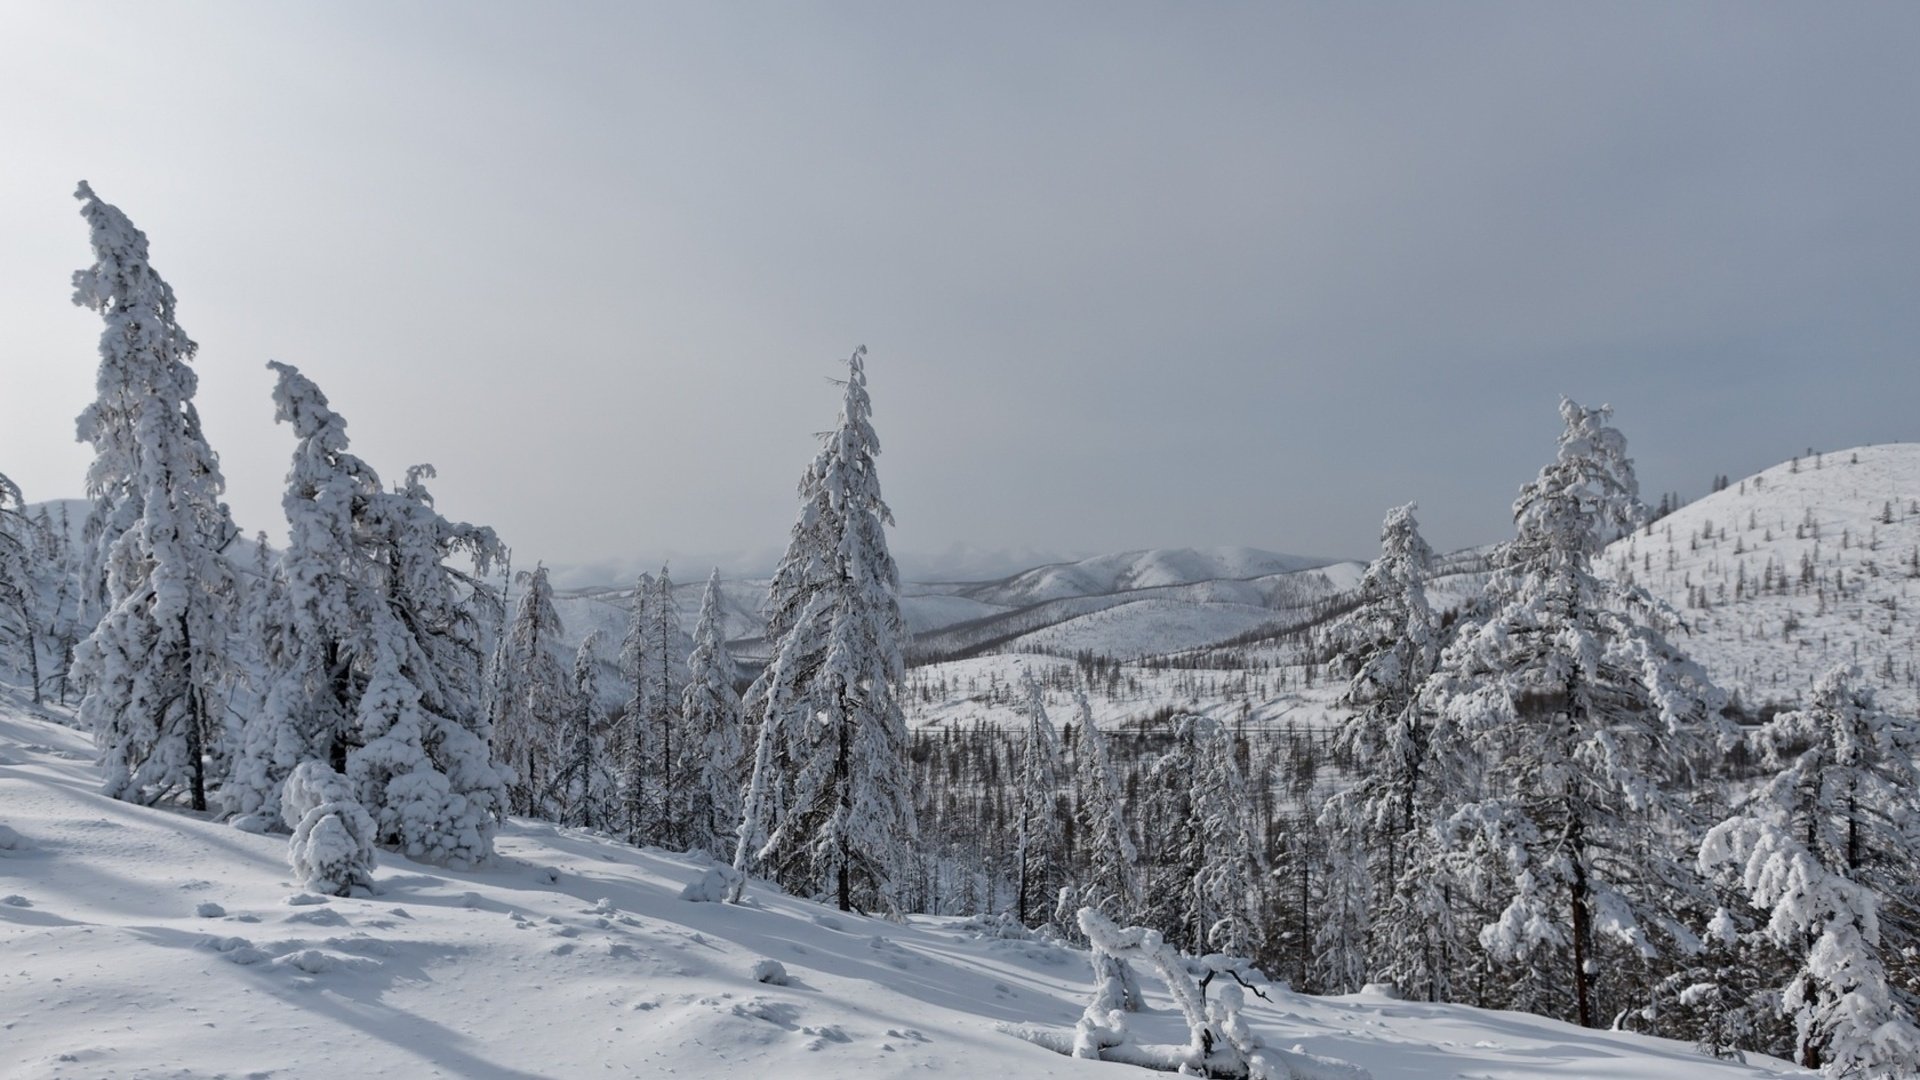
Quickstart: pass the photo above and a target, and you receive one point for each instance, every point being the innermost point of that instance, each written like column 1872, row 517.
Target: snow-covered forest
column 1652, row 772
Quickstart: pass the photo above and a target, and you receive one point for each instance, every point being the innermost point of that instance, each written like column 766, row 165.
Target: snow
column 1127, row 570
column 1771, row 645
column 153, row 943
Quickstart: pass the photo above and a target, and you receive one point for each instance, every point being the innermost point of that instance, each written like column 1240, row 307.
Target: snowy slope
column 1810, row 563
column 1146, row 627
column 148, row 943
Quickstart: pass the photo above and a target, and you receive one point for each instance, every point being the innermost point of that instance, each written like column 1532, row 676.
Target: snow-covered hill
column 1783, row 574
column 146, row 943
column 1126, row 570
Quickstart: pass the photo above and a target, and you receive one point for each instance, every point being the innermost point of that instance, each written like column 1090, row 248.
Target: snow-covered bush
column 332, row 846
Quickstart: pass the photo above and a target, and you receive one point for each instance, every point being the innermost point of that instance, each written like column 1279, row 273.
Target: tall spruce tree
column 710, row 725
column 638, row 781
column 845, row 825
column 154, row 664
column 1382, row 916
column 663, row 715
column 1587, row 719
column 534, row 696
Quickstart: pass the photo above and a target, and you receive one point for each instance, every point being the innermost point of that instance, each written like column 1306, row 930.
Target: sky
column 1129, row 275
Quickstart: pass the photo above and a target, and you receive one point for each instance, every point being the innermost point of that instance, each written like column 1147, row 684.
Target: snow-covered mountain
column 144, row 943
column 1781, row 575
column 1129, row 604
column 1104, row 574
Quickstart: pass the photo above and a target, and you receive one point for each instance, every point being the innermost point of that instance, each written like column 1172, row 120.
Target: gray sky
column 1130, row 275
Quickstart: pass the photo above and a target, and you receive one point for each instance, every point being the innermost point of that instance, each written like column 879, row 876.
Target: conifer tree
column 1827, row 850
column 535, row 698
column 313, row 609
column 637, row 779
column 426, row 761
column 846, row 825
column 1112, row 881
column 156, row 659
column 663, row 713
column 1386, row 912
column 577, row 791
column 1229, row 884
column 1040, row 845
column 710, row 723
column 374, row 646
column 1586, row 718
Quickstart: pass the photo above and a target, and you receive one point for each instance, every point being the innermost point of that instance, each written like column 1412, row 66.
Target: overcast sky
column 1129, row 276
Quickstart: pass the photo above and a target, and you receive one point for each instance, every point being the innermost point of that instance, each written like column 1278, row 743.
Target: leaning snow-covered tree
column 313, row 612
column 532, row 698
column 710, row 724
column 154, row 665
column 1588, row 721
column 375, row 646
column 845, row 825
column 1827, row 848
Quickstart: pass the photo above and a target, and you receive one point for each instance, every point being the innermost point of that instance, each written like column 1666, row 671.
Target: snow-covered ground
column 1810, row 563
column 140, row 943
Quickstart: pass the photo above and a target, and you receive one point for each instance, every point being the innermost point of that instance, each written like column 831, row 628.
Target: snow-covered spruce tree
column 1822, row 848
column 19, row 588
column 577, row 791
column 374, row 648
column 1228, row 890
column 425, row 767
column 847, row 827
column 664, row 713
column 331, row 850
column 154, row 664
column 1586, row 719
column 1039, row 842
column 311, row 616
column 710, row 725
column 1389, row 644
column 1208, row 889
column 1112, row 865
column 534, row 697
column 637, row 780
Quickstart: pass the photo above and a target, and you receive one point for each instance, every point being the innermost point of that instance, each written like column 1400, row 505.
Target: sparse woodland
column 1508, row 781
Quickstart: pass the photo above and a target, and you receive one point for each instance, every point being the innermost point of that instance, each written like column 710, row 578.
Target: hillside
column 148, row 943
column 1785, row 573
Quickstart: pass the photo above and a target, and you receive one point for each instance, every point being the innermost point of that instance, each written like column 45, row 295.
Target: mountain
column 1785, row 573
column 1104, row 574
column 145, row 943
